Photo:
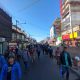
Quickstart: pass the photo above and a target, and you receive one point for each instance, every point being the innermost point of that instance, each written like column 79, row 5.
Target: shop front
column 59, row 40
column 66, row 39
column 71, row 39
column 77, row 40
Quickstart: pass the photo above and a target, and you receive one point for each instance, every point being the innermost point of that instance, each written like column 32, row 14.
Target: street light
column 16, row 28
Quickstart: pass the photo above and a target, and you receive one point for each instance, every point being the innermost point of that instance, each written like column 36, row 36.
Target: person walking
column 32, row 54
column 25, row 58
column 11, row 70
column 66, row 63
column 50, row 52
column 38, row 52
column 57, row 55
column 17, row 53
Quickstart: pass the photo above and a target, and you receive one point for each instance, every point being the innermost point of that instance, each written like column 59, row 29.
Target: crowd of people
column 10, row 68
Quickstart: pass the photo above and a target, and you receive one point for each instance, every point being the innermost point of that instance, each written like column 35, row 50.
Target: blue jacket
column 16, row 73
column 2, row 62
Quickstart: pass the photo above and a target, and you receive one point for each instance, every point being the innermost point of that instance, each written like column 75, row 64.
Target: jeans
column 65, row 70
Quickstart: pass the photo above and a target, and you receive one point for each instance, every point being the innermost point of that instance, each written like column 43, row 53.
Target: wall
column 5, row 25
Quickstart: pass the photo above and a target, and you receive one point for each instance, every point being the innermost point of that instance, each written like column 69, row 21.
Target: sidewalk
column 76, row 70
column 75, row 52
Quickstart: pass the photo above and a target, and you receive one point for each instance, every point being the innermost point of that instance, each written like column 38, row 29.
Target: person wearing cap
column 65, row 60
column 11, row 70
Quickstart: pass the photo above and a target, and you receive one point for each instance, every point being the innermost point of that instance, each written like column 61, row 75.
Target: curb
column 76, row 72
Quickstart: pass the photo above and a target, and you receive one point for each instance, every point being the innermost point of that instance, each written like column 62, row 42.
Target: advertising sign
column 59, row 38
column 65, row 37
column 71, row 36
column 75, row 34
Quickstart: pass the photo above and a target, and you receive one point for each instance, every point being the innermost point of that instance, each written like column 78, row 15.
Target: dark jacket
column 62, row 58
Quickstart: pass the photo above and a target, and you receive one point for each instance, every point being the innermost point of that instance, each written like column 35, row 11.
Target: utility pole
column 16, row 28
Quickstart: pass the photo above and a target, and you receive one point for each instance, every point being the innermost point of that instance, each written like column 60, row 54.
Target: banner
column 75, row 34
column 71, row 36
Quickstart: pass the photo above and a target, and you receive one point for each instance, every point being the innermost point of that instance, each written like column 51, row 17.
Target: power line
column 35, row 25
column 30, row 5
column 32, row 24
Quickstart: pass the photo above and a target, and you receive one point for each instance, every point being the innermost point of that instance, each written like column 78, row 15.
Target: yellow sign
column 75, row 34
column 71, row 36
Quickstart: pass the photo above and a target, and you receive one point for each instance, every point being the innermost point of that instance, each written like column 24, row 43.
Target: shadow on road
column 77, row 79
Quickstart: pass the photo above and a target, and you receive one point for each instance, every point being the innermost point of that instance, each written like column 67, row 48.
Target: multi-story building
column 18, row 36
column 5, row 25
column 5, row 29
column 57, row 25
column 70, row 17
column 52, row 32
column 52, row 35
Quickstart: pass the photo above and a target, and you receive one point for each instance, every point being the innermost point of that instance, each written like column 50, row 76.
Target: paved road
column 45, row 69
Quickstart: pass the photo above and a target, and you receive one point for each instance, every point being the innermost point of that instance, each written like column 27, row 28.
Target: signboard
column 76, row 28
column 12, row 44
column 65, row 37
column 69, row 31
column 59, row 38
column 71, row 36
column 75, row 34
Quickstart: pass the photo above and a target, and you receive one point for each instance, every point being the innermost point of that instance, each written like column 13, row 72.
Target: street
column 45, row 69
column 39, row 39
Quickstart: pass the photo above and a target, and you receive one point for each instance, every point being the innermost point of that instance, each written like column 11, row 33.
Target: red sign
column 65, row 37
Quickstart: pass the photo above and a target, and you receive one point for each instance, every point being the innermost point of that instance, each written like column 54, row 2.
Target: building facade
column 5, row 25
column 52, row 35
column 70, row 17
column 5, row 29
column 18, row 36
column 52, row 32
column 57, row 25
